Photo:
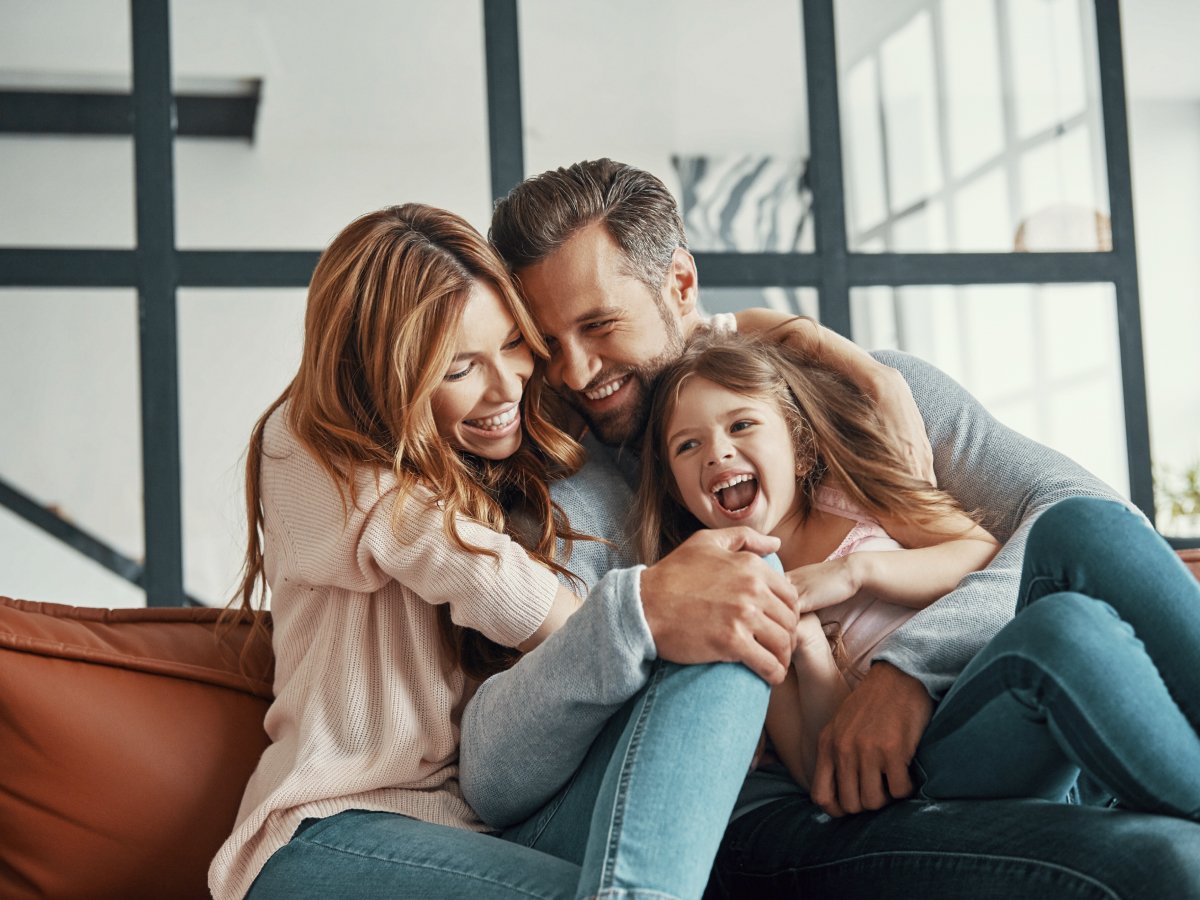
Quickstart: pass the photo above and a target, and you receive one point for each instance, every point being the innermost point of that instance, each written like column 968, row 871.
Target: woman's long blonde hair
column 384, row 306
column 834, row 427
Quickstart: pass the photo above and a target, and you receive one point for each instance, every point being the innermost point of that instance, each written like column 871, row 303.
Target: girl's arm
column 937, row 557
column 806, row 701
column 881, row 383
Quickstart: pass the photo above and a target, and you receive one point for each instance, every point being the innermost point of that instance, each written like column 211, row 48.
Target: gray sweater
column 526, row 731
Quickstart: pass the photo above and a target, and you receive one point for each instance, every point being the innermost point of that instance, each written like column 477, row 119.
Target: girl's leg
column 645, row 814
column 1065, row 686
column 1103, row 550
column 362, row 855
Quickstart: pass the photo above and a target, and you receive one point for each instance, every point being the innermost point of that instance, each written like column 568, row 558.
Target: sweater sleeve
column 527, row 730
column 502, row 593
column 1010, row 480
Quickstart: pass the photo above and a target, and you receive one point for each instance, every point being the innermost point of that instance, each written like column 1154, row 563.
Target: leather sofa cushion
column 126, row 739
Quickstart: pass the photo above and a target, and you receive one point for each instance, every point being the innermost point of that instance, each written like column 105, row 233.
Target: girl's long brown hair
column 384, row 306
column 834, row 426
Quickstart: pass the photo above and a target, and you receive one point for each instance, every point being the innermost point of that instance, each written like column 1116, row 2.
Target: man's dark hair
column 542, row 213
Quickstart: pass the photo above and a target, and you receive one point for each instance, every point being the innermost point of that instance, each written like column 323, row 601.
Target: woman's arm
column 801, row 706
column 565, row 603
column 883, row 384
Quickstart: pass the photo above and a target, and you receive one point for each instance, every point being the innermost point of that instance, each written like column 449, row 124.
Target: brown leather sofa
column 126, row 738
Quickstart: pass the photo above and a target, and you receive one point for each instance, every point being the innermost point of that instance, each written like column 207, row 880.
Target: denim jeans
column 1096, row 674
column 642, row 817
column 953, row 850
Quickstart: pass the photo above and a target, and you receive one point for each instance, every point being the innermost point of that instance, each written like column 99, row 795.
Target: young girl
column 745, row 432
column 1094, row 675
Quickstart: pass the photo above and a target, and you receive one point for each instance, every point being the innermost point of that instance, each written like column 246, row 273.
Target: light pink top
column 366, row 712
column 864, row 620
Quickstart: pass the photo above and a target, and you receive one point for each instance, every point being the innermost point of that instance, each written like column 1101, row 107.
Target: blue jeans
column 953, row 850
column 1097, row 673
column 642, row 817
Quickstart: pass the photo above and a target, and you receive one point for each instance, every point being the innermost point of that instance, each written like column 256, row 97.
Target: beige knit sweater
column 366, row 712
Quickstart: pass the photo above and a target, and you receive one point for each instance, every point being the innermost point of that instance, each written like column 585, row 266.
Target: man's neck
column 626, row 460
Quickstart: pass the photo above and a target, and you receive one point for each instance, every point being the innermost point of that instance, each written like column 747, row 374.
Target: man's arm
column 864, row 752
column 527, row 730
column 1010, row 480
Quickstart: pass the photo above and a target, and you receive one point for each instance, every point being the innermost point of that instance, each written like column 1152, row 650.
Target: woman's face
column 732, row 458
column 477, row 407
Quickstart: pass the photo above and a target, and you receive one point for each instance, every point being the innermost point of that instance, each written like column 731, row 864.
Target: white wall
column 364, row 104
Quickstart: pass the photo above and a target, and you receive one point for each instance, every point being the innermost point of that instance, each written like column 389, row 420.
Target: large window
column 949, row 177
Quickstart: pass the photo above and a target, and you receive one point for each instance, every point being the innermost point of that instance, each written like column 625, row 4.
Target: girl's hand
column 810, row 637
column 824, row 584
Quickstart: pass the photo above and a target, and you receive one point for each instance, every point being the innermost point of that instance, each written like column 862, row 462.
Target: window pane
column 745, row 204
column 1164, row 124
column 237, row 351
column 1042, row 359
column 707, row 95
column 797, row 301
column 975, row 103
column 910, row 112
column 392, row 111
column 1048, row 62
column 64, row 191
column 997, row 118
column 864, row 146
column 71, row 408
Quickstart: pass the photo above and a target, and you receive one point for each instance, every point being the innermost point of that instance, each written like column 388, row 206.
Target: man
column 601, row 255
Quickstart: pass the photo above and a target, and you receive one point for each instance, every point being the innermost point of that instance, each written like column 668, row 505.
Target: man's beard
column 627, row 424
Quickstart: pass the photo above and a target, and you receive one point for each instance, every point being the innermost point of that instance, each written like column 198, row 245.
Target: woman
column 382, row 486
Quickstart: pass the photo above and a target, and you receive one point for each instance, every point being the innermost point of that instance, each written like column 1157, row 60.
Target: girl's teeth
column 737, row 479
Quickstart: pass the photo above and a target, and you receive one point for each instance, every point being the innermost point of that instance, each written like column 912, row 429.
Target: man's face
column 608, row 337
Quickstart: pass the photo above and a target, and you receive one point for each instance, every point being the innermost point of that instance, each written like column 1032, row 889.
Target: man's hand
column 712, row 599
column 864, row 752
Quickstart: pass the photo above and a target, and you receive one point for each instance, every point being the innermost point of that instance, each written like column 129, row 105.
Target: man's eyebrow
column 598, row 312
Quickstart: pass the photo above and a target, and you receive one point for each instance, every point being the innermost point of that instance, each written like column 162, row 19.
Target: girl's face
column 477, row 407
column 732, row 458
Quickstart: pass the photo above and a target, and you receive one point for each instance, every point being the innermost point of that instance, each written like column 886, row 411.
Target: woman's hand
column 825, row 584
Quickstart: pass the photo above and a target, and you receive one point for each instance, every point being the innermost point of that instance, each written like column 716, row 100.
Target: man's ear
column 683, row 285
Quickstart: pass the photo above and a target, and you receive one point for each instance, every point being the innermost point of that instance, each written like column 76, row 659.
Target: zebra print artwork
column 747, row 204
